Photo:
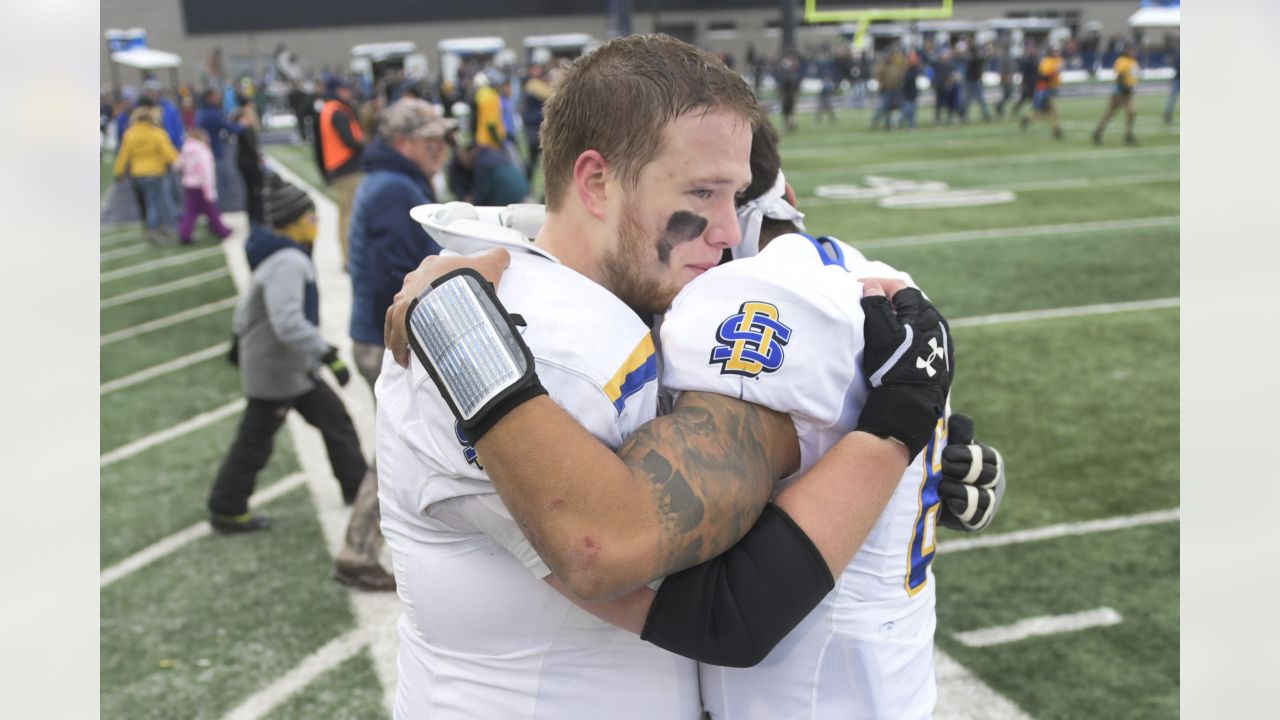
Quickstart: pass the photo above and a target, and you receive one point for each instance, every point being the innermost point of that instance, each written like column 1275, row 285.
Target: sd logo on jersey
column 751, row 341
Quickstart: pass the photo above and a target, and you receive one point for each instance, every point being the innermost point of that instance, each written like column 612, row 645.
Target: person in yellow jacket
column 1042, row 103
column 1126, row 68
column 488, row 129
column 146, row 152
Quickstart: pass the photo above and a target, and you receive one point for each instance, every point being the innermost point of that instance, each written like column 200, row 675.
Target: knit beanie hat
column 283, row 203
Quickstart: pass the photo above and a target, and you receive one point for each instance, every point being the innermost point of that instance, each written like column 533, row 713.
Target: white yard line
column 1031, row 186
column 168, row 545
column 1038, row 626
column 964, row 696
column 333, row 654
column 1025, row 231
column 168, row 320
column 161, row 289
column 186, row 426
column 854, row 169
column 1051, row 532
column 164, row 368
column 183, row 259
column 376, row 613
column 123, row 252
column 1054, row 313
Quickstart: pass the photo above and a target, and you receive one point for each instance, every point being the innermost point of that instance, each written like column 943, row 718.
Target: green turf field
column 1065, row 314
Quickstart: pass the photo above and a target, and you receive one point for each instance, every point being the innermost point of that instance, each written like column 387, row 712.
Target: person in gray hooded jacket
column 279, row 350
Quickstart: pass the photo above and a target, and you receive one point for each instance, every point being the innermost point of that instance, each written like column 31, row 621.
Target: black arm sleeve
column 342, row 124
column 733, row 609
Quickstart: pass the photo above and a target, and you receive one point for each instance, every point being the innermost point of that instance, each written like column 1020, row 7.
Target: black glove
column 972, row 481
column 336, row 366
column 909, row 362
column 233, row 353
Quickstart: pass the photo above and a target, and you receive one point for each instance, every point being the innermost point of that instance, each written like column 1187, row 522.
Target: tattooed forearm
column 711, row 465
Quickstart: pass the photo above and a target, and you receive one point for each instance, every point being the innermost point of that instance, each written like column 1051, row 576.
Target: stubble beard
column 623, row 267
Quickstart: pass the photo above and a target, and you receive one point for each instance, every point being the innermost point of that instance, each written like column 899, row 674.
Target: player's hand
column 909, row 362
column 489, row 264
column 336, row 366
column 972, row 483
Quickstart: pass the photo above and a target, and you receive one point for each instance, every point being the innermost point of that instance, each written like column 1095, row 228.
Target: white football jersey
column 783, row 329
column 482, row 634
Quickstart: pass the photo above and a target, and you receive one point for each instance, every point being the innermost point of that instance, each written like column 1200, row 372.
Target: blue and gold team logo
column 751, row 341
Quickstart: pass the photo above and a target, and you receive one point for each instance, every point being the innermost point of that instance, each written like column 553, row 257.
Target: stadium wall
column 719, row 28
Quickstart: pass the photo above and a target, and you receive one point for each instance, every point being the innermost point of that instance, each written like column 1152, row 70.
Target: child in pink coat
column 199, row 187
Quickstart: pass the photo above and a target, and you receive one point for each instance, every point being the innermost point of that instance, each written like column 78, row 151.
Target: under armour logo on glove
column 905, row 404
column 927, row 364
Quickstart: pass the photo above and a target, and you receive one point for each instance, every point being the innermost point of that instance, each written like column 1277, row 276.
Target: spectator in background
column 975, row 65
column 827, row 71
column 1029, row 70
column 200, row 187
column 249, row 161
column 1050, row 73
column 510, row 118
column 910, row 92
column 385, row 245
column 536, row 92
column 942, row 85
column 210, row 119
column 487, row 128
column 1126, row 68
column 145, row 155
column 788, row 76
column 1175, row 85
column 889, row 75
column 341, row 140
column 482, row 175
column 303, row 105
column 1005, row 67
column 188, row 109
column 279, row 350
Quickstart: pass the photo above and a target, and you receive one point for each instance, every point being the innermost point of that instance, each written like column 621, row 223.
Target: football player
column 646, row 143
column 783, row 330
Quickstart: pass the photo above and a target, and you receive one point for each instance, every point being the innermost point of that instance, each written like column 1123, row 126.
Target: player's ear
column 790, row 195
column 589, row 181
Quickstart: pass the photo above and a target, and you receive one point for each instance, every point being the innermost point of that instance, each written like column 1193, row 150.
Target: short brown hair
column 618, row 99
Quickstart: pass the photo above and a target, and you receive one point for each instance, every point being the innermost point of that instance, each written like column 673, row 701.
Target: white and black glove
column 972, row 481
column 471, row 348
column 909, row 362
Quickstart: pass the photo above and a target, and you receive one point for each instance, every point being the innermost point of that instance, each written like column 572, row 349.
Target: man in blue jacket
column 211, row 118
column 385, row 244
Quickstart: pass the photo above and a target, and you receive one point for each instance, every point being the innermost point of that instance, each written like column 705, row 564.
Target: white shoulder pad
column 780, row 329
column 465, row 229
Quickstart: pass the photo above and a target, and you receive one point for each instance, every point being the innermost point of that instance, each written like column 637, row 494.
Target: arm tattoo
column 711, row 467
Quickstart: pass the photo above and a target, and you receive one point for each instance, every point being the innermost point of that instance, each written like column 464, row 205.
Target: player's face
column 678, row 219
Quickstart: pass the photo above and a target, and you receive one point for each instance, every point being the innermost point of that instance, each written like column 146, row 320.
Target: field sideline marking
column 1024, row 231
column 188, row 257
column 1051, row 532
column 189, row 425
column 168, row 545
column 375, row 613
column 125, row 251
column 331, row 655
column 161, row 289
column 168, row 320
column 1066, row 312
column 164, row 368
column 1038, row 626
column 964, row 696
